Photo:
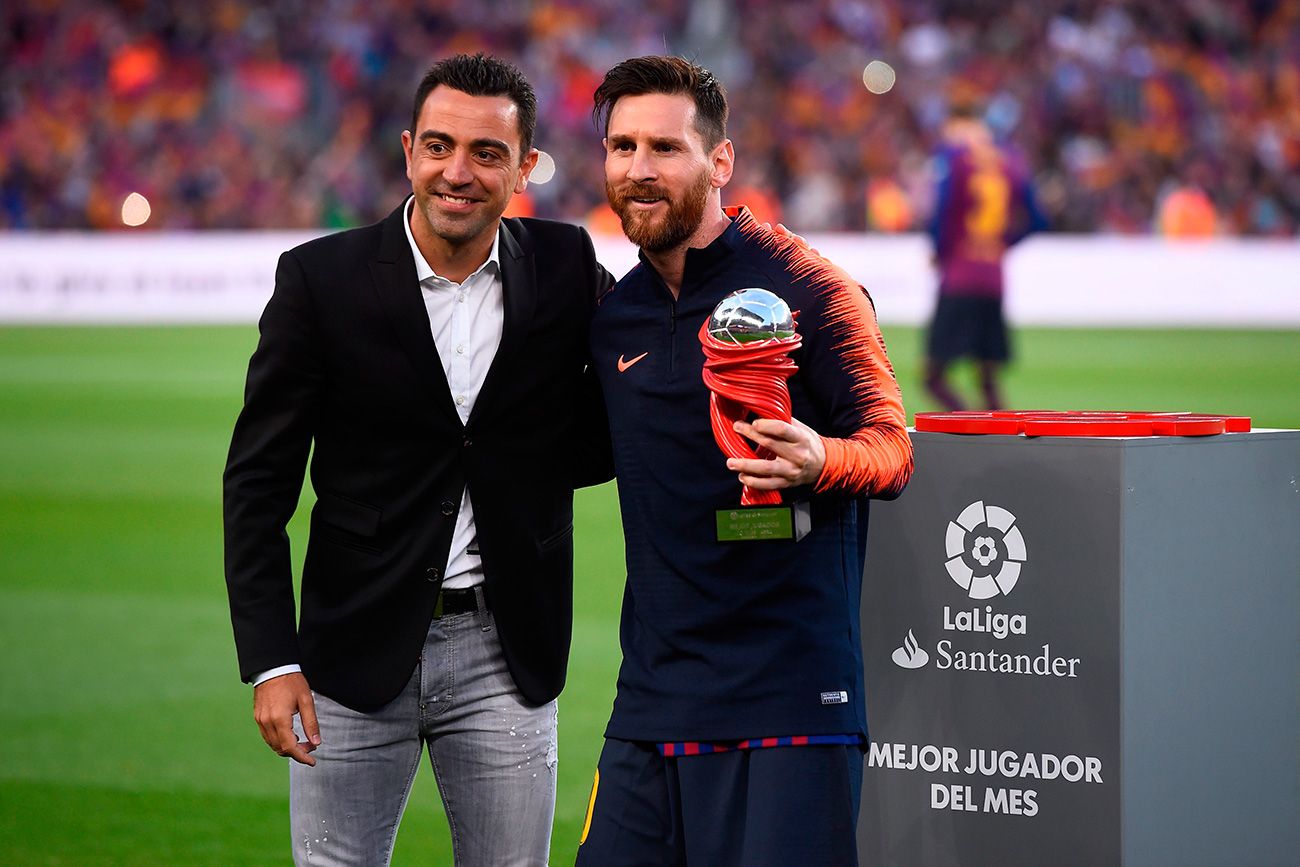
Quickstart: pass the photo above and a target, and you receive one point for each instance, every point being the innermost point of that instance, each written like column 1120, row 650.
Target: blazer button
column 448, row 508
column 468, row 442
column 433, row 573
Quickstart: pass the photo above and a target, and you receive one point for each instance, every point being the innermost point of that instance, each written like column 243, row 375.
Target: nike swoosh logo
column 624, row 365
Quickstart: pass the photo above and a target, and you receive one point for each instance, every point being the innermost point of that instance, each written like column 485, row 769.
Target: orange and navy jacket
column 724, row 641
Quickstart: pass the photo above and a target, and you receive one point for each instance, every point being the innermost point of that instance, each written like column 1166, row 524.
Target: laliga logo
column 985, row 550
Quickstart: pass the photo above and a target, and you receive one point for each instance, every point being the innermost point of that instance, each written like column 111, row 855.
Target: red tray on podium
column 1055, row 423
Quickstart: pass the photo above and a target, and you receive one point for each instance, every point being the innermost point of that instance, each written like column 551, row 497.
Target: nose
column 641, row 168
column 456, row 170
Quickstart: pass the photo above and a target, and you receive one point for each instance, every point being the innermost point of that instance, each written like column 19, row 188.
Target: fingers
column 310, row 727
column 274, row 704
column 765, row 428
column 765, row 483
column 765, row 475
column 299, row 750
column 800, row 240
column 770, row 433
column 797, row 454
column 760, row 467
column 783, row 469
column 784, row 231
column 287, row 743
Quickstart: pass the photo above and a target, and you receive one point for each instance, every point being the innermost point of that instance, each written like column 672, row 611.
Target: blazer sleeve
column 264, row 473
column 593, row 452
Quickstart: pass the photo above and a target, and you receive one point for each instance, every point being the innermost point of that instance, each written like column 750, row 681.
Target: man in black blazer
column 433, row 366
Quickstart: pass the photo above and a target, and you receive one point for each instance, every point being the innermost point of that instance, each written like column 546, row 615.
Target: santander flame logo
column 911, row 654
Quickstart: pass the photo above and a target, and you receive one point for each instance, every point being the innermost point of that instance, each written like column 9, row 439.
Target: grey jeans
column 493, row 757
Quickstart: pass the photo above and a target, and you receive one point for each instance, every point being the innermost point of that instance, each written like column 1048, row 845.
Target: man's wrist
column 263, row 677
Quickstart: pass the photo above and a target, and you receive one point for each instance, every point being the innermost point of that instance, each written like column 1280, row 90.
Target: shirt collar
column 700, row 260
column 424, row 272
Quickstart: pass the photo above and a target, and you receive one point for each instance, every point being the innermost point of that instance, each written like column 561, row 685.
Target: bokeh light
column 544, row 170
column 879, row 77
column 135, row 210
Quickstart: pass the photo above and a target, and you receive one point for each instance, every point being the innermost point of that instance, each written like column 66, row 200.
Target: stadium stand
column 239, row 114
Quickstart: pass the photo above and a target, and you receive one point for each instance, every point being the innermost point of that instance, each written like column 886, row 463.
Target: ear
column 525, row 169
column 724, row 163
column 406, row 150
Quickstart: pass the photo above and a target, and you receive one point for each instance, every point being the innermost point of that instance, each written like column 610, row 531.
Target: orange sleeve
column 846, row 363
column 877, row 458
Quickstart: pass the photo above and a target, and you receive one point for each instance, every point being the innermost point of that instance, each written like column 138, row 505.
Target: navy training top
column 732, row 640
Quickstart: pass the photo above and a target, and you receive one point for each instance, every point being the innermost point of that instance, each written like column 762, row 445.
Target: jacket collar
column 398, row 286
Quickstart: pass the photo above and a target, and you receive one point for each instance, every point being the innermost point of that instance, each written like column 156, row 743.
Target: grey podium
column 1084, row 651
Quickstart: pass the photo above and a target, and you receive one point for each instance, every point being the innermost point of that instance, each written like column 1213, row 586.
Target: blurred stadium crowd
column 1180, row 116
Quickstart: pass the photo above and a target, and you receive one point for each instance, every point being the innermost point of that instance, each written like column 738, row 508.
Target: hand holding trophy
column 746, row 342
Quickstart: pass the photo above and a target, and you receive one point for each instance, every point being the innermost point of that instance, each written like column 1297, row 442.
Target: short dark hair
column 482, row 75
column 668, row 75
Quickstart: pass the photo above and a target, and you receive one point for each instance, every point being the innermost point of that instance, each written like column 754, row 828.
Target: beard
column 657, row 234
column 455, row 228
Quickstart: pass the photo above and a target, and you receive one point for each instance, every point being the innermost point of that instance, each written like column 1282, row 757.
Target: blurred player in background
column 738, row 727
column 984, row 204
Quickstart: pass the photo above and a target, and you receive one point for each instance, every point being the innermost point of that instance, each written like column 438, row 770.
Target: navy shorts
column 968, row 327
column 771, row 807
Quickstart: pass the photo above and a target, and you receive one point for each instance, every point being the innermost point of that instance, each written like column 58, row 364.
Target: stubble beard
column 450, row 228
column 657, row 235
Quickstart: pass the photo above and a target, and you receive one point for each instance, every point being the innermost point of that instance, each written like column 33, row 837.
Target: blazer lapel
column 519, row 288
column 399, row 291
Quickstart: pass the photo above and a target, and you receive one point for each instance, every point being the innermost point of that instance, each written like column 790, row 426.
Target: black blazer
column 346, row 363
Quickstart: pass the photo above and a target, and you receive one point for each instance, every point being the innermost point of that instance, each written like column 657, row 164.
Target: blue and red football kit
column 984, row 205
column 729, row 646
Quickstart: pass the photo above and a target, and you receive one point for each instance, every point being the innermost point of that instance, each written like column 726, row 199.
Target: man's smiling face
column 465, row 161
column 658, row 170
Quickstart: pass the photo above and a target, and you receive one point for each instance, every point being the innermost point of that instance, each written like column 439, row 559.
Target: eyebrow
column 656, row 140
column 494, row 143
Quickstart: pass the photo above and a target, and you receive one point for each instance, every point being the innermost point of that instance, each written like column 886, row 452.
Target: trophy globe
column 750, row 316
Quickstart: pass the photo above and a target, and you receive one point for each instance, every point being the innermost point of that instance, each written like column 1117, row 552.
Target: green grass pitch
column 125, row 735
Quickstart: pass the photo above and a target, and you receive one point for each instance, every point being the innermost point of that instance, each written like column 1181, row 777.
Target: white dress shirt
column 466, row 320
